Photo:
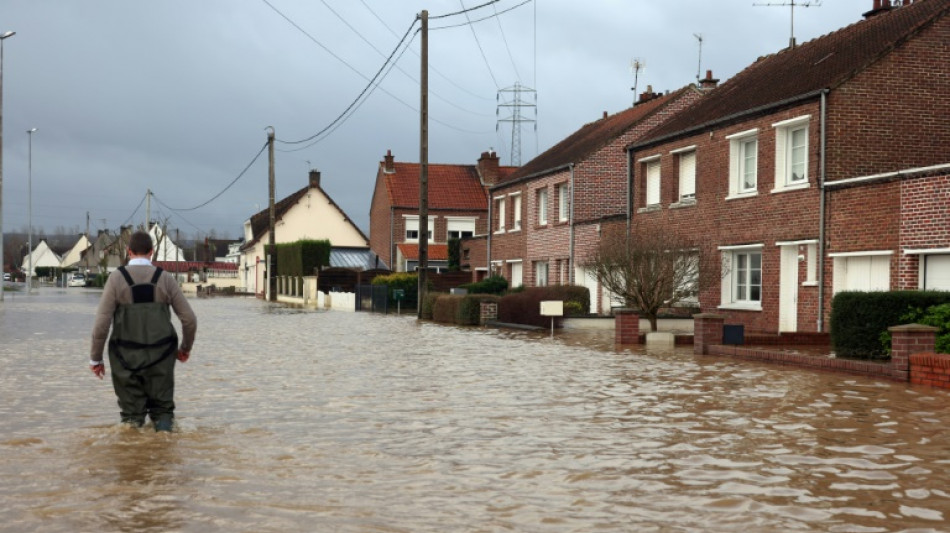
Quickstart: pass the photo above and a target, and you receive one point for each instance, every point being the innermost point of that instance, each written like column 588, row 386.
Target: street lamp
column 29, row 273
column 2, row 38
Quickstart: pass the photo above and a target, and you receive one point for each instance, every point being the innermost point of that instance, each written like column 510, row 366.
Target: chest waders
column 141, row 350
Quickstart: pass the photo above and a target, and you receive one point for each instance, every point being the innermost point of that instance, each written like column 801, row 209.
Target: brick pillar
column 488, row 311
column 626, row 326
column 906, row 340
column 707, row 330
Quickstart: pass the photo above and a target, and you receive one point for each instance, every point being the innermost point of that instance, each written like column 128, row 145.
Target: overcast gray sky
column 174, row 96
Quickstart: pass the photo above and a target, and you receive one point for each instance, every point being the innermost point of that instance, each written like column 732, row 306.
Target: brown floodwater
column 293, row 420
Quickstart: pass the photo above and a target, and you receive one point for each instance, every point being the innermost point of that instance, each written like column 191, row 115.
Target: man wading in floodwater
column 143, row 346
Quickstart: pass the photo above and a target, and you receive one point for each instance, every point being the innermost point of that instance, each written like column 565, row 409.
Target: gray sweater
column 117, row 292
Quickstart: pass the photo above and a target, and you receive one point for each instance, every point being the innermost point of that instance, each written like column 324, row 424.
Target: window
column 742, row 286
column 412, row 228
column 540, row 273
column 653, row 182
column 516, row 211
column 542, row 206
column 460, row 228
column 563, row 211
column 687, row 174
column 863, row 271
column 791, row 153
column 500, row 209
column 515, row 278
column 743, row 163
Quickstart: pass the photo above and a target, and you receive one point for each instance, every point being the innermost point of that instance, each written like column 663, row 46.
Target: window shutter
column 688, row 175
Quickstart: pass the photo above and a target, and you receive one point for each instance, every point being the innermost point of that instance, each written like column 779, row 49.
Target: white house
column 42, row 256
column 74, row 255
column 165, row 248
column 309, row 213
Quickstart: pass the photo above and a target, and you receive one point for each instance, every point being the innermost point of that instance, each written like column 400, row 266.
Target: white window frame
column 511, row 272
column 541, row 197
column 515, row 211
column 562, row 202
column 839, row 280
column 731, row 282
column 653, row 183
column 500, row 208
column 412, row 221
column 541, row 274
column 810, row 258
column 686, row 163
column 740, row 164
column 460, row 225
column 784, row 153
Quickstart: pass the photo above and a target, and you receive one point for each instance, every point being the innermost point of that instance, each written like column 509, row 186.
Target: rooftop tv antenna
column 699, row 66
column 636, row 66
column 792, row 4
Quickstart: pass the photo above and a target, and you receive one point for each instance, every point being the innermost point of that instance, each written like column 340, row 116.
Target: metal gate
column 373, row 298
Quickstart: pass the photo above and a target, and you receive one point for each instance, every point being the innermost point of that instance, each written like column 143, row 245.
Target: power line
column 480, row 49
column 481, row 19
column 431, row 67
column 134, row 212
column 239, row 176
column 507, row 47
column 464, row 10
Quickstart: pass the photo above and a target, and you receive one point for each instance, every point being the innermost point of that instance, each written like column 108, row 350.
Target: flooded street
column 294, row 420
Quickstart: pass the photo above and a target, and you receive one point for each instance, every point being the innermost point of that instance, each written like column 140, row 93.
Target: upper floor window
column 563, row 209
column 412, row 228
column 542, row 206
column 791, row 153
column 500, row 209
column 460, row 228
column 743, row 163
column 516, row 211
column 686, row 163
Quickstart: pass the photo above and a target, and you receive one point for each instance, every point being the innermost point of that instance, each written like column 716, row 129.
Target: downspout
column 570, row 260
column 821, row 212
column 629, row 190
column 491, row 204
column 392, row 230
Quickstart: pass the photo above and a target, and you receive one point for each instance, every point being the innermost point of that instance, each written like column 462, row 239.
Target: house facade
column 780, row 169
column 42, row 256
column 457, row 208
column 309, row 213
column 548, row 215
column 73, row 256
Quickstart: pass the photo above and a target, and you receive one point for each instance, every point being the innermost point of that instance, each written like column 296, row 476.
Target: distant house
column 547, row 215
column 457, row 208
column 819, row 168
column 309, row 213
column 164, row 248
column 73, row 256
column 107, row 252
column 42, row 256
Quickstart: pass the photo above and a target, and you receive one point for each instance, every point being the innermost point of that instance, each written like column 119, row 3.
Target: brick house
column 853, row 126
column 548, row 214
column 457, row 208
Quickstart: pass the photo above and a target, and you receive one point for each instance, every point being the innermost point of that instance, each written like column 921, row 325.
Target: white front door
column 517, row 276
column 788, row 290
column 585, row 278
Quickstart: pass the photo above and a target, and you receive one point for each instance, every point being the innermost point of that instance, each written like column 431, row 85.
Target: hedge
column 859, row 320
column 490, row 285
column 408, row 282
column 524, row 307
column 464, row 310
column 302, row 258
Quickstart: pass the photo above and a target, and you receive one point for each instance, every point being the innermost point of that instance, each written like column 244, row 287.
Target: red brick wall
column 925, row 223
column 510, row 245
column 894, row 114
column 379, row 226
column 551, row 241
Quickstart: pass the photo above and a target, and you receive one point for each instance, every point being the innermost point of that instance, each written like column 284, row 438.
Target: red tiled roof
column 436, row 252
column 591, row 137
column 450, row 186
column 823, row 63
column 194, row 266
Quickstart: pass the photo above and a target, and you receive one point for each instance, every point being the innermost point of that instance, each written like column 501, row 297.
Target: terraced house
column 819, row 168
column 548, row 214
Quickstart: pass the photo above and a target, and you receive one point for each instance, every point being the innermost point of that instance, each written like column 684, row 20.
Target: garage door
column 937, row 272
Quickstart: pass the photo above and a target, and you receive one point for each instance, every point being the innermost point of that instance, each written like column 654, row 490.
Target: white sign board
column 552, row 308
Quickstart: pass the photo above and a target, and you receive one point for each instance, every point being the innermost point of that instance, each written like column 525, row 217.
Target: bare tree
column 653, row 269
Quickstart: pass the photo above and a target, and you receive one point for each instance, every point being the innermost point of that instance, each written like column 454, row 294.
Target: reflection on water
column 295, row 420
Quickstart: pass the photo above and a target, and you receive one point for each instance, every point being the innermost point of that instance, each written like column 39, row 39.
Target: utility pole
column 271, row 279
column 424, row 166
column 2, row 266
column 148, row 209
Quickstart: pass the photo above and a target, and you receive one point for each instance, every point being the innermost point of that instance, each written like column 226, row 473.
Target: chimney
column 388, row 166
column 605, row 115
column 648, row 95
column 880, row 7
column 488, row 167
column 314, row 178
column 708, row 83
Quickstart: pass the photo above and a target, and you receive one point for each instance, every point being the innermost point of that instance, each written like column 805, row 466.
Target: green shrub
column 408, row 282
column 859, row 320
column 429, row 304
column 490, row 285
column 937, row 316
column 302, row 258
